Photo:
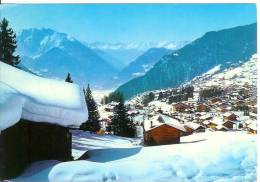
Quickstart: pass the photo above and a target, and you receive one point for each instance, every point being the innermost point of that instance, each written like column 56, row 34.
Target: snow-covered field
column 204, row 157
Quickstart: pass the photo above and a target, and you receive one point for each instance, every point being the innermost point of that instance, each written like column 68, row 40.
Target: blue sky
column 130, row 22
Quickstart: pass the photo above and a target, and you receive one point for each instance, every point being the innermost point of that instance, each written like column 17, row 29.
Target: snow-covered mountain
column 139, row 46
column 142, row 64
column 227, row 48
column 122, row 54
column 53, row 54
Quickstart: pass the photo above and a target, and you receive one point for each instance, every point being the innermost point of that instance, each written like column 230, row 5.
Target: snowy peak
column 34, row 42
column 143, row 46
column 57, row 54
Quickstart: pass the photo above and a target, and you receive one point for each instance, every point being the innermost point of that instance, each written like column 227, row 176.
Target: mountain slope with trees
column 226, row 48
column 142, row 64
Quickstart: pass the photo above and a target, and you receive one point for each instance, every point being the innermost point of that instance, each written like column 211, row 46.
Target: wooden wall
column 162, row 135
column 26, row 142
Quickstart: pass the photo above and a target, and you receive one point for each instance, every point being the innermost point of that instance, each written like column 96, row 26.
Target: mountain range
column 224, row 48
column 141, row 64
column 53, row 54
column 120, row 55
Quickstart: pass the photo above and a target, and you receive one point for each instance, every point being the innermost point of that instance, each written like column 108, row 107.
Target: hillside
column 142, row 64
column 226, row 48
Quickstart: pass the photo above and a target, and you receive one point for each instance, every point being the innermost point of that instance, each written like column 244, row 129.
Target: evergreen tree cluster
column 211, row 92
column 148, row 98
column 113, row 97
column 177, row 95
column 121, row 124
column 92, row 124
column 8, row 44
column 178, row 98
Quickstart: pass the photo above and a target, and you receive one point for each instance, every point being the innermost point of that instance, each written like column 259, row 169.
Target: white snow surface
column 201, row 157
column 24, row 95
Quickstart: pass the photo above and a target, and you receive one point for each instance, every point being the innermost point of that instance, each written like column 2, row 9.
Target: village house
column 230, row 116
column 252, row 128
column 161, row 130
column 214, row 101
column 201, row 107
column 35, row 116
column 180, row 107
column 214, row 122
column 192, row 127
column 221, row 128
column 229, row 124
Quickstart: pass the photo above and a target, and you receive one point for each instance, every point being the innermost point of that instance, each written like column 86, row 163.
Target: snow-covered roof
column 226, row 114
column 219, row 127
column 193, row 126
column 217, row 120
column 253, row 126
column 161, row 119
column 24, row 95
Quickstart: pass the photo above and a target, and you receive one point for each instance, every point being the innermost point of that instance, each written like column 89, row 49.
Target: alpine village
column 63, row 123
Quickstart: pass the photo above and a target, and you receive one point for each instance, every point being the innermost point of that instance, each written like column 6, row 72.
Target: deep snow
column 24, row 95
column 204, row 157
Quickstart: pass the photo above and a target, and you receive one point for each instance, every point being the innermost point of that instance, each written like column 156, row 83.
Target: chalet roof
column 253, row 126
column 219, row 127
column 193, row 125
column 217, row 120
column 161, row 119
column 27, row 96
column 227, row 114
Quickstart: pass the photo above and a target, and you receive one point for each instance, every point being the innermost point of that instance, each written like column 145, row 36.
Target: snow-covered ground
column 203, row 157
column 84, row 141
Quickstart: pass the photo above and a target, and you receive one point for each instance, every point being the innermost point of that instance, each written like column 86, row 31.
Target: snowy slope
column 240, row 75
column 204, row 157
column 84, row 141
column 24, row 95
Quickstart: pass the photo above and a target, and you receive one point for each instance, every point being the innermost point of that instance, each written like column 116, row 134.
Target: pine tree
column 121, row 124
column 8, row 44
column 68, row 78
column 92, row 124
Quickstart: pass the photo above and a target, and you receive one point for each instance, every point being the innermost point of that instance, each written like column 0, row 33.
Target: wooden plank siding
column 26, row 142
column 161, row 135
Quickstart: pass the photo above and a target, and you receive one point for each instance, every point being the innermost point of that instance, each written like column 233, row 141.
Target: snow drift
column 205, row 157
column 24, row 95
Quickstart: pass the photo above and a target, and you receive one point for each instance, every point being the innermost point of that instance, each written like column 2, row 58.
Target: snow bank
column 204, row 157
column 83, row 141
column 30, row 97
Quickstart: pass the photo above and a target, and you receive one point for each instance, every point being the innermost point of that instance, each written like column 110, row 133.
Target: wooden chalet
column 229, row 124
column 180, row 107
column 34, row 124
column 252, row 128
column 202, row 107
column 214, row 101
column 230, row 116
column 194, row 127
column 162, row 130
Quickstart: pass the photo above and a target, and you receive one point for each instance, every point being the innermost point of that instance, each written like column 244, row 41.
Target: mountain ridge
column 225, row 47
